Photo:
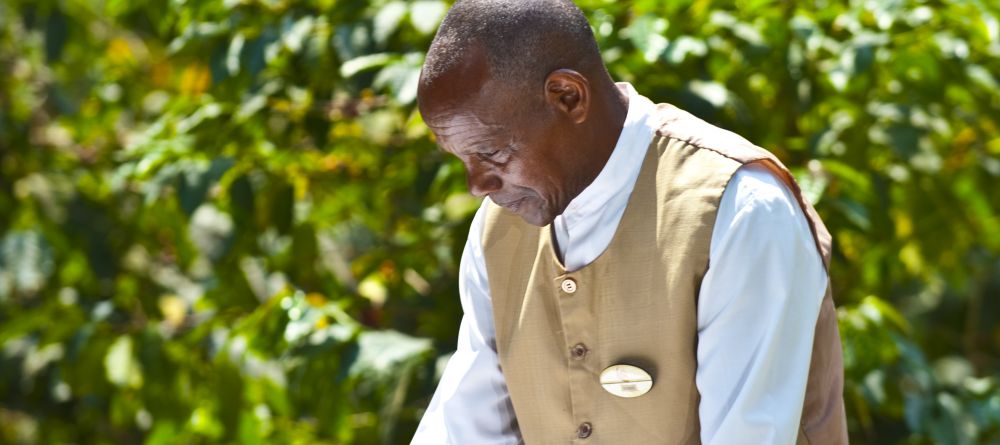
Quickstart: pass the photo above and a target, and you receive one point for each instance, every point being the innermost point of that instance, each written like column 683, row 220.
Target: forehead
column 460, row 130
column 457, row 104
column 453, row 85
column 461, row 119
column 449, row 120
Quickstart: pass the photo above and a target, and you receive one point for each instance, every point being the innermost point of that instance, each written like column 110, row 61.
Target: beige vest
column 636, row 304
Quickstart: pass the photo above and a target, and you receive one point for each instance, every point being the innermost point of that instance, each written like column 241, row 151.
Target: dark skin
column 531, row 152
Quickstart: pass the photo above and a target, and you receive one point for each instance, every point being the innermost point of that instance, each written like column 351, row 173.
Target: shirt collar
column 619, row 173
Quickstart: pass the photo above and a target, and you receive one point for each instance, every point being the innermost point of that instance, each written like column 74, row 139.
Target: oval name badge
column 626, row 381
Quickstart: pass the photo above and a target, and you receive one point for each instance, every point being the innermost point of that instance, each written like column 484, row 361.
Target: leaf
column 294, row 35
column 192, row 186
column 26, row 263
column 55, row 36
column 195, row 32
column 373, row 288
column 681, row 47
column 748, row 33
column 878, row 309
column 812, row 181
column 382, row 352
column 195, row 79
column 164, row 433
column 387, row 20
column 205, row 422
column 233, row 54
column 208, row 111
column 857, row 182
column 120, row 366
column 366, row 62
column 426, row 15
column 982, row 76
column 282, row 208
column 854, row 212
column 713, row 92
column 646, row 33
column 211, row 231
column 402, row 78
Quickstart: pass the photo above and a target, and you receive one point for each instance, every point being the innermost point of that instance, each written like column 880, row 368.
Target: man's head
column 517, row 90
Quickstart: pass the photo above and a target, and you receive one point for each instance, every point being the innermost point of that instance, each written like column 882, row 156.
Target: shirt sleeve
column 471, row 404
column 757, row 312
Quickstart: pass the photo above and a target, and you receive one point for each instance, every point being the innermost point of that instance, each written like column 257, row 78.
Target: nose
column 481, row 181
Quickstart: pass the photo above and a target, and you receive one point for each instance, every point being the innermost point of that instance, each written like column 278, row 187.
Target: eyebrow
column 462, row 121
column 473, row 147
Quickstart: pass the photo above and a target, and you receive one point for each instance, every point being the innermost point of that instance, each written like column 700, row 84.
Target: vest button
column 584, row 430
column 568, row 285
column 578, row 351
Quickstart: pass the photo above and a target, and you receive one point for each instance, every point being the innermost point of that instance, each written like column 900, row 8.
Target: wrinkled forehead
column 464, row 108
column 469, row 88
column 449, row 110
column 461, row 131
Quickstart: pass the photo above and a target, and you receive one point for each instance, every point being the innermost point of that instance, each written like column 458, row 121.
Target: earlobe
column 569, row 92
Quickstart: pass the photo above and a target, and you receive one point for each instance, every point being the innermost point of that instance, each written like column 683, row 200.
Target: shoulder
column 759, row 208
column 757, row 188
column 672, row 122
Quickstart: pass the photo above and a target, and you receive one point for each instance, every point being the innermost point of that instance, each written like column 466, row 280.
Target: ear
column 569, row 92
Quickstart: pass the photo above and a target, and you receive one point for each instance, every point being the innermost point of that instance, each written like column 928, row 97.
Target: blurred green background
column 223, row 221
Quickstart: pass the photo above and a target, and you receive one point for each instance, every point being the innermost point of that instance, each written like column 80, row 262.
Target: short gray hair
column 524, row 40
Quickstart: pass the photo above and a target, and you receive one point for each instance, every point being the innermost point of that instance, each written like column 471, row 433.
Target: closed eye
column 489, row 155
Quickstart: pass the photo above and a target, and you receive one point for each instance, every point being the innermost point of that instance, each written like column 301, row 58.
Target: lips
column 511, row 205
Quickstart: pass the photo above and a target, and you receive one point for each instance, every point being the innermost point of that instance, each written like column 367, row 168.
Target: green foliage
column 223, row 221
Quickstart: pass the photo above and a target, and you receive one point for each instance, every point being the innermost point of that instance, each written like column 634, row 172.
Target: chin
column 537, row 217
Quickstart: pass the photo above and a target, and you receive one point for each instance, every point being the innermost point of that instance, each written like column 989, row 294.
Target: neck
column 610, row 109
column 617, row 110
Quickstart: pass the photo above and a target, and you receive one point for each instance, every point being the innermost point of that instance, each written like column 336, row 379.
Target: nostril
column 483, row 185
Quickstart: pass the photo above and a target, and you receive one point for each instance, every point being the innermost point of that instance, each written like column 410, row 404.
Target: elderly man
column 634, row 275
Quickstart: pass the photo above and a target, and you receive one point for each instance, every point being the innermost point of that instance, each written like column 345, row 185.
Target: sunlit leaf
column 646, row 33
column 680, row 48
column 382, row 351
column 366, row 62
column 295, row 35
column 425, row 15
column 387, row 20
column 211, row 231
column 401, row 77
column 120, row 365
column 26, row 263
column 713, row 92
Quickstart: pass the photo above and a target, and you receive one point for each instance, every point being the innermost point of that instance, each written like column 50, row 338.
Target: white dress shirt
column 757, row 307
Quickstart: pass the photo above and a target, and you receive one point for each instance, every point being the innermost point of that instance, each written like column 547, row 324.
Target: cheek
column 526, row 177
column 535, row 166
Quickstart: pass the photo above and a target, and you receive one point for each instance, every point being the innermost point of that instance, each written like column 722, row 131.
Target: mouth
column 511, row 205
